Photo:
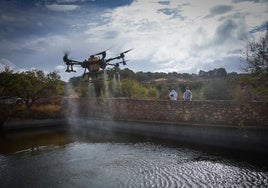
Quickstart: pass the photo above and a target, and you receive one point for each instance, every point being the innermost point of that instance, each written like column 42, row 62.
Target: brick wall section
column 208, row 112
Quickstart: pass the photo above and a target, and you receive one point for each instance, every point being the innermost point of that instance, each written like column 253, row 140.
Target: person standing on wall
column 187, row 95
column 173, row 95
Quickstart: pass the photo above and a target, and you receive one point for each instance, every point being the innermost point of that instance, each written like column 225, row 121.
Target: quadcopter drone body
column 95, row 64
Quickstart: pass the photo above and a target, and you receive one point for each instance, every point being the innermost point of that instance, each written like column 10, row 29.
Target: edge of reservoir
column 227, row 124
column 246, row 138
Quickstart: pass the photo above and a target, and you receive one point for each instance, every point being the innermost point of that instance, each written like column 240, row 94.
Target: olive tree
column 30, row 85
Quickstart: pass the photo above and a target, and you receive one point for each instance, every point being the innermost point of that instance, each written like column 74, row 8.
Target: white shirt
column 173, row 95
column 187, row 95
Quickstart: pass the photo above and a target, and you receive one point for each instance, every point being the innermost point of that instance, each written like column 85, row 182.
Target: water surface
column 57, row 158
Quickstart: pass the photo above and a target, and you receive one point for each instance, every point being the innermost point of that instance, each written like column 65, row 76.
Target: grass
column 43, row 111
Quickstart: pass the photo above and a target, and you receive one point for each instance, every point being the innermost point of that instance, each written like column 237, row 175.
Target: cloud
column 164, row 44
column 255, row 1
column 60, row 68
column 262, row 27
column 219, row 9
column 68, row 1
column 59, row 7
column 181, row 36
column 226, row 31
column 5, row 63
column 164, row 2
column 173, row 13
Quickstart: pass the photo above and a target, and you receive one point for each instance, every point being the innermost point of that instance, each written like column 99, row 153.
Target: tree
column 217, row 89
column 221, row 72
column 127, row 73
column 256, row 63
column 257, row 56
column 133, row 89
column 5, row 77
column 30, row 85
column 55, row 83
column 127, row 87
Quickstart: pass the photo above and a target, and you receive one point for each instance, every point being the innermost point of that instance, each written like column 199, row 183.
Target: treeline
column 214, row 84
column 148, row 76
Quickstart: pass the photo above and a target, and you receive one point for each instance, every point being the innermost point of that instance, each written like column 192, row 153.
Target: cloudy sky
column 184, row 36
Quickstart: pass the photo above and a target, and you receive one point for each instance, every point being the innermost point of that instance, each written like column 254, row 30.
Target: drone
column 96, row 64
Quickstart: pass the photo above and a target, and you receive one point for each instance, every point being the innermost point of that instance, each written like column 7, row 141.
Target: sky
column 183, row 36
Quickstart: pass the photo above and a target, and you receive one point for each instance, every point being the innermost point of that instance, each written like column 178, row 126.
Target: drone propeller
column 103, row 53
column 100, row 53
column 122, row 54
column 67, row 60
column 127, row 51
column 66, row 52
column 65, row 57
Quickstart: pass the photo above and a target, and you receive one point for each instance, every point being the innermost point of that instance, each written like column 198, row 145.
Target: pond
column 66, row 157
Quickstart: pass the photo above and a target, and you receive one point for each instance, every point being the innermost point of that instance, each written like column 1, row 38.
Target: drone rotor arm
column 77, row 63
column 111, row 59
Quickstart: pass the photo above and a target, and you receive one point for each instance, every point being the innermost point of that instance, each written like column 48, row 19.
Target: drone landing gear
column 70, row 70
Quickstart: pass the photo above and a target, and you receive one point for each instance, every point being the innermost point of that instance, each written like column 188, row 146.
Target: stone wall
column 205, row 112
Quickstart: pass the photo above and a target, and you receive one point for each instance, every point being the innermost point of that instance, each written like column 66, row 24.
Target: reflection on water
column 60, row 159
column 32, row 140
